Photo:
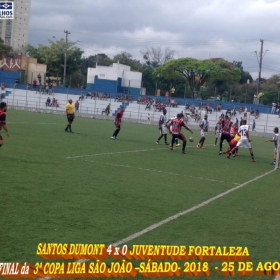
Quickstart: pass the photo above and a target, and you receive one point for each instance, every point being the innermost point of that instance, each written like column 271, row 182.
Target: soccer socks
column 116, row 132
column 165, row 138
column 66, row 129
column 252, row 156
column 184, row 145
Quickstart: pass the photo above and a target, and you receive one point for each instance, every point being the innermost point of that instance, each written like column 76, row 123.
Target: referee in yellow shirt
column 70, row 115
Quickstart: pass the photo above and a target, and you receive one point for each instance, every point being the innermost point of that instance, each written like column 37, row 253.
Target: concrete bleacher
column 94, row 107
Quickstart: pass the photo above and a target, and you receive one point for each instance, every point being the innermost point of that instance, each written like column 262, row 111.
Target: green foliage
column 127, row 59
column 4, row 49
column 198, row 72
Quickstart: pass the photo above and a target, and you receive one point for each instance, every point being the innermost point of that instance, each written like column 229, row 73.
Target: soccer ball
column 191, row 139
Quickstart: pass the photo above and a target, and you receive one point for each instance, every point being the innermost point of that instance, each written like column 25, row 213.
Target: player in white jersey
column 176, row 139
column 245, row 141
column 218, row 131
column 204, row 124
column 162, row 127
column 275, row 140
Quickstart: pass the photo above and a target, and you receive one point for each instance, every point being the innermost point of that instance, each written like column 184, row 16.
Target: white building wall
column 107, row 73
column 132, row 79
column 91, row 73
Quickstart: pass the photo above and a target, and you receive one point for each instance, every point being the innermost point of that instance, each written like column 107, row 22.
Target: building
column 14, row 32
column 116, row 78
column 25, row 68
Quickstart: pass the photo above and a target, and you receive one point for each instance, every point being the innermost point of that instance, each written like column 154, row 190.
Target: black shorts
column 179, row 136
column 1, row 138
column 225, row 136
column 70, row 118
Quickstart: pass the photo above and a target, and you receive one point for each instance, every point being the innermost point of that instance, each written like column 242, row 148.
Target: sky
column 201, row 29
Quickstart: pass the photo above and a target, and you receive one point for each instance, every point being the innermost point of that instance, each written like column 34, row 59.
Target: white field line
column 187, row 211
column 126, row 152
column 30, row 123
column 180, row 214
column 162, row 172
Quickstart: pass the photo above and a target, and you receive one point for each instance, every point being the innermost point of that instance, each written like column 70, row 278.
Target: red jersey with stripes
column 118, row 118
column 233, row 130
column 2, row 118
column 226, row 125
column 176, row 126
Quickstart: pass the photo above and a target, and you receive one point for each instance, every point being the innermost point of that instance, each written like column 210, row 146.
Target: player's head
column 276, row 130
column 122, row 109
column 164, row 111
column 205, row 116
column 179, row 116
column 3, row 106
column 243, row 122
column 226, row 116
column 70, row 101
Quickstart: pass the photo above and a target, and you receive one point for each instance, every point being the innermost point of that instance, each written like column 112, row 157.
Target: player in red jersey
column 226, row 125
column 117, row 122
column 177, row 125
column 3, row 110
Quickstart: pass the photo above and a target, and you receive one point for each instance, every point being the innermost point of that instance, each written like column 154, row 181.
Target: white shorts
column 203, row 133
column 163, row 129
column 244, row 143
column 218, row 134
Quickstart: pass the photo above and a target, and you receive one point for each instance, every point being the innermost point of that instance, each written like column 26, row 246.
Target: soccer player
column 203, row 132
column 162, row 127
column 170, row 128
column 244, row 140
column 232, row 144
column 117, row 122
column 275, row 140
column 177, row 125
column 218, row 128
column 3, row 110
column 70, row 115
column 226, row 125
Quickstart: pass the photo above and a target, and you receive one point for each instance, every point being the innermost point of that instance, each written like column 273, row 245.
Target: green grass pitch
column 47, row 197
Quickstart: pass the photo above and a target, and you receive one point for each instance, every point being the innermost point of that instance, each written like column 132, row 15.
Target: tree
column 198, row 72
column 244, row 74
column 127, row 59
column 53, row 57
column 157, row 56
column 4, row 49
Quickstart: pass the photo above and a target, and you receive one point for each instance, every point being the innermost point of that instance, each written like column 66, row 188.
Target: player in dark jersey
column 117, row 122
column 3, row 110
column 226, row 125
column 177, row 125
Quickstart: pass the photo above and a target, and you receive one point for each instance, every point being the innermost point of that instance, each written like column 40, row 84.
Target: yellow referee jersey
column 70, row 109
column 237, row 137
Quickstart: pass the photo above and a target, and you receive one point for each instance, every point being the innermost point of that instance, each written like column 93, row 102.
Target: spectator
column 39, row 78
column 77, row 104
column 273, row 109
column 16, row 82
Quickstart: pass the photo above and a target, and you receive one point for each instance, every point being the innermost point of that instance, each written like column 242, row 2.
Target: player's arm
column 4, row 125
column 67, row 108
column 187, row 128
column 160, row 122
column 247, row 133
column 168, row 124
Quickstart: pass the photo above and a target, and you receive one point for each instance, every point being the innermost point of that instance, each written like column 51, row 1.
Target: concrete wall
column 132, row 79
column 34, row 70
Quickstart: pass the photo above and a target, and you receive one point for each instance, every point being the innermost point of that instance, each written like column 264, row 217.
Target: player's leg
column 216, row 140
column 1, row 141
column 117, row 131
column 161, row 135
column 183, row 138
column 239, row 143
column 274, row 156
column 251, row 152
column 173, row 141
column 221, row 143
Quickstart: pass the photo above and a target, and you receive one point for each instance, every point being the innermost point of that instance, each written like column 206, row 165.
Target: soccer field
column 87, row 188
